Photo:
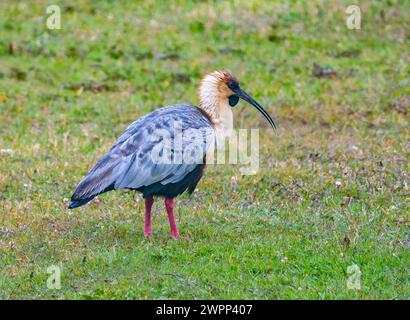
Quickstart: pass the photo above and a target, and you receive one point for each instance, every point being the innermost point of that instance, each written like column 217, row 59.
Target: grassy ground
column 332, row 190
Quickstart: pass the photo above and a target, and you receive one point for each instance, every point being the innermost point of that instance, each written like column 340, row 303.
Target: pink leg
column 147, row 226
column 169, row 204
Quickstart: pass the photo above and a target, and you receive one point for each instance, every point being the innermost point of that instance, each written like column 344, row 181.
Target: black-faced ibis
column 130, row 164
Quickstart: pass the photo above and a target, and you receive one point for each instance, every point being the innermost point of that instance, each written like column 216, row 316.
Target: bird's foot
column 147, row 234
column 175, row 234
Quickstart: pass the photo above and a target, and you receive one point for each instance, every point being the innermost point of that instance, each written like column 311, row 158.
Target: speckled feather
column 128, row 164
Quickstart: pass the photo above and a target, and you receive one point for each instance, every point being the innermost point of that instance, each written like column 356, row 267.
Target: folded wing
column 163, row 146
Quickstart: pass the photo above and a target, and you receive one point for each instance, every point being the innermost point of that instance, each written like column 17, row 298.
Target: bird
column 130, row 162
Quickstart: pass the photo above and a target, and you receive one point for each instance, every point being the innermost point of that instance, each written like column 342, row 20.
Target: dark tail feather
column 75, row 203
column 78, row 203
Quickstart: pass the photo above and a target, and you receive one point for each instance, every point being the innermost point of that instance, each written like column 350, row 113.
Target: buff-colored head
column 217, row 83
column 216, row 88
column 219, row 91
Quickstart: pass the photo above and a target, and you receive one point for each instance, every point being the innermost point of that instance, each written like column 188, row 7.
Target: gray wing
column 163, row 146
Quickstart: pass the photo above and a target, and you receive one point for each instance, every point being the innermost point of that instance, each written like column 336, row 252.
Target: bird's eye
column 233, row 85
column 233, row 100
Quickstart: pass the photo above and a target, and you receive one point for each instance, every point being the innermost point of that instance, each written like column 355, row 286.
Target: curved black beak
column 243, row 95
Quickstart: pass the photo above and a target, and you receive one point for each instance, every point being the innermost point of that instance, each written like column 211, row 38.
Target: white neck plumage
column 215, row 104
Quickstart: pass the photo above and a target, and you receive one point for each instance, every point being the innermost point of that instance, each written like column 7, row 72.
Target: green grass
column 286, row 232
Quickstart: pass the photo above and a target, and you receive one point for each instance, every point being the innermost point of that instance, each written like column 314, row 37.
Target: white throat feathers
column 213, row 97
